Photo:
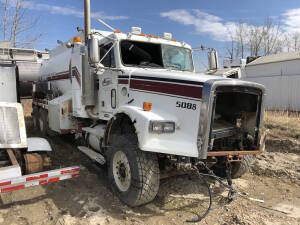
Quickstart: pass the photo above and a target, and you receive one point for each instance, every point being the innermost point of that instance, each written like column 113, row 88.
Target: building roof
column 280, row 57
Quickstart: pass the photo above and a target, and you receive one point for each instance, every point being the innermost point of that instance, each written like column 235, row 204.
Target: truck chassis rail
column 36, row 179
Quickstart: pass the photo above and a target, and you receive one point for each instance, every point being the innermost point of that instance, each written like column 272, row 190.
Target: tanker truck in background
column 136, row 104
column 23, row 160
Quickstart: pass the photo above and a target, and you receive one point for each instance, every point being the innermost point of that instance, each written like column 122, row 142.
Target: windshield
column 145, row 54
column 177, row 57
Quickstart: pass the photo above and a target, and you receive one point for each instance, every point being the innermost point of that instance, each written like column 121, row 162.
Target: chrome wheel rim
column 121, row 171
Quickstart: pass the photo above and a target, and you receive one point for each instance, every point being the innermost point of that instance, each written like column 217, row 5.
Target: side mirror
column 94, row 50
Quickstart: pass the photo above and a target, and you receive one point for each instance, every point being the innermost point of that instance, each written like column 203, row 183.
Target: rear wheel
column 238, row 169
column 133, row 174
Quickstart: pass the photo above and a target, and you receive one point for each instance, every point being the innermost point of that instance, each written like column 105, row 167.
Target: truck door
column 107, row 82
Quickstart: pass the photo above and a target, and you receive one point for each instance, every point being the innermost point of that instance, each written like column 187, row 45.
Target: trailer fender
column 36, row 144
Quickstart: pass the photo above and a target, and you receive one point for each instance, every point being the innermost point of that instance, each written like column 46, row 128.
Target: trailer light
column 117, row 31
column 147, row 106
column 77, row 40
column 162, row 127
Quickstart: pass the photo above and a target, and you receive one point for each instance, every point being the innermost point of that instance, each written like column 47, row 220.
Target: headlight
column 162, row 127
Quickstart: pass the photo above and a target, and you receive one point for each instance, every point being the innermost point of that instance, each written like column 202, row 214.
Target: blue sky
column 195, row 22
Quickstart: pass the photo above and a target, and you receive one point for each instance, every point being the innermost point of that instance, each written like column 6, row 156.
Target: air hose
column 211, row 174
column 199, row 218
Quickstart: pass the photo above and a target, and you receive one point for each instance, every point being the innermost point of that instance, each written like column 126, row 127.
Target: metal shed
column 280, row 74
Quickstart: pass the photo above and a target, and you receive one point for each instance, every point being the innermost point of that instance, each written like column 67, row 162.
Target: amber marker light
column 147, row 106
column 77, row 40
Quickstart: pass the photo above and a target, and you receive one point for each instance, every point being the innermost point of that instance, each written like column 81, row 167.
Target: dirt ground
column 274, row 179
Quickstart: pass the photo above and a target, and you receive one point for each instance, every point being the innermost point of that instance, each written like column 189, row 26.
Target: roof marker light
column 167, row 36
column 136, row 30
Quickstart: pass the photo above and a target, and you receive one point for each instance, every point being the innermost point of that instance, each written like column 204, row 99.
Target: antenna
column 105, row 24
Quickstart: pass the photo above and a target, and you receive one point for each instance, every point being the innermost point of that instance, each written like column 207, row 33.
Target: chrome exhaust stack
column 88, row 83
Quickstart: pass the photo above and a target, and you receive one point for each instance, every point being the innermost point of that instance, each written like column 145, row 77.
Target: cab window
column 109, row 59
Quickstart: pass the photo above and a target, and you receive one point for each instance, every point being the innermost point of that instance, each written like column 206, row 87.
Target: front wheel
column 133, row 174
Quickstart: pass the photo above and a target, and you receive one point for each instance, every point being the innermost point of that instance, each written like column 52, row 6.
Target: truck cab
column 140, row 107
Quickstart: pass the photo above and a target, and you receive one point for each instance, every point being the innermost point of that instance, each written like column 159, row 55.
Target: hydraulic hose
column 198, row 218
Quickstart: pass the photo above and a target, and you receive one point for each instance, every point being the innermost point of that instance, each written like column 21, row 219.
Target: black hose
column 198, row 218
column 202, row 177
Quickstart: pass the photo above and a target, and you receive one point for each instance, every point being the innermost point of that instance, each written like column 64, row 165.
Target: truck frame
column 136, row 104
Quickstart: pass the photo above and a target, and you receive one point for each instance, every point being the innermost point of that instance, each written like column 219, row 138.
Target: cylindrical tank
column 57, row 69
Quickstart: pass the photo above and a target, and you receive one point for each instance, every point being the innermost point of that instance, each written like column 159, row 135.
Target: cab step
column 92, row 154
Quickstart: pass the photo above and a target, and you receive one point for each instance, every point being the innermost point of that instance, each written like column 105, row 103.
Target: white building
column 280, row 74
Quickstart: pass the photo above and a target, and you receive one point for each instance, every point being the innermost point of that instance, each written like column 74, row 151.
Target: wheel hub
column 121, row 171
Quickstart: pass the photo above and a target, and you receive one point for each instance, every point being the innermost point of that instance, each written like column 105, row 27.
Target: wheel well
column 121, row 124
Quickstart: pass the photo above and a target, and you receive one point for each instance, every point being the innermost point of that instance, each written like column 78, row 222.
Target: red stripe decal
column 13, row 188
column 36, row 177
column 66, row 75
column 75, row 175
column 70, row 171
column 5, row 183
column 54, row 179
column 59, row 77
column 167, row 88
column 43, row 182
column 50, row 180
column 76, row 169
column 44, row 175
column 76, row 74
column 65, row 171
column 121, row 81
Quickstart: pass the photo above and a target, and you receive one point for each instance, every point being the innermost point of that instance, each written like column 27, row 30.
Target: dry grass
column 283, row 124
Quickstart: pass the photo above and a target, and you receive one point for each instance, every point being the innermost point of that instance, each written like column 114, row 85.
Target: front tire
column 133, row 174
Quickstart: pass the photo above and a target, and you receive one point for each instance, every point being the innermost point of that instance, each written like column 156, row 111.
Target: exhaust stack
column 87, row 20
column 88, row 83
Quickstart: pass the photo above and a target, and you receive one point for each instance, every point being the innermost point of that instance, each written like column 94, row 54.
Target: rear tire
column 238, row 168
column 133, row 174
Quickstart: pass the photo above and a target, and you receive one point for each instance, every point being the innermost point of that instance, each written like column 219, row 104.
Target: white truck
column 141, row 108
column 23, row 160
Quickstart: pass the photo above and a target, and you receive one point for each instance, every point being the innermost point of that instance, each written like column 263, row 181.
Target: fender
column 36, row 144
column 168, row 143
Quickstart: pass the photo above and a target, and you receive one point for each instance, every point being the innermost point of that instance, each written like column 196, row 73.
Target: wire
column 199, row 218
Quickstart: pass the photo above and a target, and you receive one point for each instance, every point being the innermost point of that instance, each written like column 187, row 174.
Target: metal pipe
column 87, row 20
column 88, row 89
column 88, row 85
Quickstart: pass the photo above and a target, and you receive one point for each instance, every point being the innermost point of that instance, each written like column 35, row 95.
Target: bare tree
column 5, row 15
column 18, row 25
column 230, row 49
column 295, row 41
column 241, row 35
column 271, row 40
